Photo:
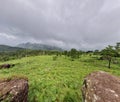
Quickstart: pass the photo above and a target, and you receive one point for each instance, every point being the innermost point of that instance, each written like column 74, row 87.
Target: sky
column 81, row 24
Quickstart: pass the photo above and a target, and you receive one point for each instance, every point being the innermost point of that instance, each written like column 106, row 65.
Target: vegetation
column 5, row 56
column 9, row 48
column 74, row 54
column 108, row 53
column 56, row 81
column 52, row 76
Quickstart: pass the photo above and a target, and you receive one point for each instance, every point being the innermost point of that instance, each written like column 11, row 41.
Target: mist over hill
column 37, row 46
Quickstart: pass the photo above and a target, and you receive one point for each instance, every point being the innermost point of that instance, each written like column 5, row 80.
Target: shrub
column 55, row 58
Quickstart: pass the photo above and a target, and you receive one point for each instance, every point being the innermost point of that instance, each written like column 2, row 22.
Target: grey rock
column 14, row 90
column 101, row 87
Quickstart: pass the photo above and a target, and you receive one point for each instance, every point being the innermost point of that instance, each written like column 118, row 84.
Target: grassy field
column 56, row 81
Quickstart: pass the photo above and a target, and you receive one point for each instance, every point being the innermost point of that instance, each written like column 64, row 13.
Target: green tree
column 65, row 53
column 74, row 54
column 96, row 52
column 108, row 53
column 117, row 47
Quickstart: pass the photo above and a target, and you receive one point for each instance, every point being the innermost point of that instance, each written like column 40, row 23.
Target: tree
column 74, row 54
column 96, row 52
column 117, row 47
column 108, row 53
column 65, row 53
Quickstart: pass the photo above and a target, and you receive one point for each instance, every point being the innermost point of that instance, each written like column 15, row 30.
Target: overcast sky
column 82, row 24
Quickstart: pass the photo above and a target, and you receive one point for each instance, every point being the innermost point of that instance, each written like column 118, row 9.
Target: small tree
column 96, row 52
column 108, row 53
column 74, row 54
column 65, row 53
column 55, row 58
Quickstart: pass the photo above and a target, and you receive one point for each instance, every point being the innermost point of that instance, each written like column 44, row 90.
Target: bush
column 55, row 58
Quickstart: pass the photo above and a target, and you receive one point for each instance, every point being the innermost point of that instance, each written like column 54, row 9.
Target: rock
column 6, row 66
column 101, row 87
column 14, row 90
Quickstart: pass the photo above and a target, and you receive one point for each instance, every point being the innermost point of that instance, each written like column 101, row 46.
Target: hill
column 37, row 46
column 9, row 48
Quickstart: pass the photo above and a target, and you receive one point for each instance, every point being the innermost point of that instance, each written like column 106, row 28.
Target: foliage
column 56, row 81
column 5, row 56
column 74, row 54
column 55, row 58
column 9, row 48
column 65, row 53
column 96, row 52
column 108, row 53
column 117, row 48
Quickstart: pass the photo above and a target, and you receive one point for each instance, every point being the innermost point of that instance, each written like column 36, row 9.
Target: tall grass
column 56, row 81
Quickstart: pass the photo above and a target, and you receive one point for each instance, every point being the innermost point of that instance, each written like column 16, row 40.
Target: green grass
column 56, row 80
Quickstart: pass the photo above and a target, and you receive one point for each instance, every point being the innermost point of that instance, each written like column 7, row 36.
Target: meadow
column 57, row 80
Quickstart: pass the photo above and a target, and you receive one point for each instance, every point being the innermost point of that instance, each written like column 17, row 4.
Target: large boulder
column 101, row 87
column 14, row 90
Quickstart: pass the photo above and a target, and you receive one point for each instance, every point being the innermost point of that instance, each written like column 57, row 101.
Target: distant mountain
column 36, row 46
column 9, row 48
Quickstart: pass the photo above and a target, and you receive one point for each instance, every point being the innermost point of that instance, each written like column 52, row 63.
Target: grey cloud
column 86, row 24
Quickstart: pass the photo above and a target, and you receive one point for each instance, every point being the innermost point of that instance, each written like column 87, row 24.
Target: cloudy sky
column 82, row 24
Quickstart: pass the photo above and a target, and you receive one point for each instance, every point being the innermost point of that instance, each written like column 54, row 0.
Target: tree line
column 107, row 53
column 11, row 55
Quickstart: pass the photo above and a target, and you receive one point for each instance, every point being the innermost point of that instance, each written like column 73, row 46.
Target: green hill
column 6, row 48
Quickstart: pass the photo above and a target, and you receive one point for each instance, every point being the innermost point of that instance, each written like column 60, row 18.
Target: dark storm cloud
column 68, row 23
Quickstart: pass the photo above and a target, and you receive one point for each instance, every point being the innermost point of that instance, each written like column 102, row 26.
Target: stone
column 6, row 66
column 101, row 87
column 14, row 90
